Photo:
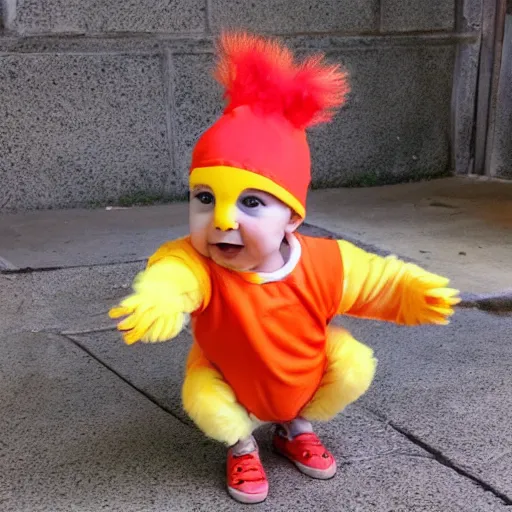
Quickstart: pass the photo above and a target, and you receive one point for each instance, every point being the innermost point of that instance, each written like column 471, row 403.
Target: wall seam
column 170, row 108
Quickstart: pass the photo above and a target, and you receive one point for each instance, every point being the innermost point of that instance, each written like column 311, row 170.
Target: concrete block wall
column 102, row 102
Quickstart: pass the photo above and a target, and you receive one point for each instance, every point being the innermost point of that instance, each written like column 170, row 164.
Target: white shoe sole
column 243, row 497
column 319, row 474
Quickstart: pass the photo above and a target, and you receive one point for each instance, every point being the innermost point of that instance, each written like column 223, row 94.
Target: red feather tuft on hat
column 262, row 74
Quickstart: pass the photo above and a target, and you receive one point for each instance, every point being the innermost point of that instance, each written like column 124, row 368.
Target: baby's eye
column 252, row 202
column 205, row 197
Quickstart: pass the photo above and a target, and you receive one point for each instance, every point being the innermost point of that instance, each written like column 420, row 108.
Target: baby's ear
column 294, row 222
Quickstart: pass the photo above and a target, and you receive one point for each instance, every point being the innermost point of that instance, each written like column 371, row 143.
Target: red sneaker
column 308, row 453
column 247, row 482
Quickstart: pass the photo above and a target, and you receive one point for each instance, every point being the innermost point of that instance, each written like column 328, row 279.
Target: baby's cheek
column 199, row 244
column 267, row 244
column 199, row 236
column 199, row 221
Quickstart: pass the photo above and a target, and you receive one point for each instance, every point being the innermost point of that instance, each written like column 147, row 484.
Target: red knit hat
column 260, row 140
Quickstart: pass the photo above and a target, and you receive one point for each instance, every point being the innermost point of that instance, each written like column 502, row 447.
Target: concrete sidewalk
column 91, row 424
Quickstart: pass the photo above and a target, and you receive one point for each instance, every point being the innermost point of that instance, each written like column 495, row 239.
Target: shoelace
column 246, row 469
column 311, row 446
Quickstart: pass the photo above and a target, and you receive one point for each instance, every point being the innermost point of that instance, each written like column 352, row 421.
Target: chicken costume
column 263, row 348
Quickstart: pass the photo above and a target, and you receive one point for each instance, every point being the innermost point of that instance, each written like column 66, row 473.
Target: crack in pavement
column 433, row 453
column 125, row 380
column 34, row 270
column 307, row 228
column 497, row 304
column 442, row 459
column 93, row 330
column 348, row 459
column 313, row 230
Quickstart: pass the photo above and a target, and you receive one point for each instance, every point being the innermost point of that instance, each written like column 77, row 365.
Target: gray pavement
column 64, row 238
column 88, row 423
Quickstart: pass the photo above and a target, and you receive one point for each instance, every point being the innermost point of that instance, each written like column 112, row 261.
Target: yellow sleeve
column 187, row 270
column 389, row 289
column 174, row 284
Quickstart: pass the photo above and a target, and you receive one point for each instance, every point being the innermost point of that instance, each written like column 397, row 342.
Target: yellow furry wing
column 427, row 299
column 175, row 284
column 389, row 289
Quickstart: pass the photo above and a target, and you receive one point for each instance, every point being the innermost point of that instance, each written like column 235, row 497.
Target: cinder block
column 198, row 102
column 395, row 126
column 416, row 15
column 91, row 16
column 285, row 16
column 396, row 123
column 80, row 129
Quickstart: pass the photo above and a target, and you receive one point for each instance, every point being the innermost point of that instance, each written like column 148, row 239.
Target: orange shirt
column 268, row 340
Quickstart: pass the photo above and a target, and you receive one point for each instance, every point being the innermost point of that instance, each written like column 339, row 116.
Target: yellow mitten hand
column 165, row 294
column 426, row 298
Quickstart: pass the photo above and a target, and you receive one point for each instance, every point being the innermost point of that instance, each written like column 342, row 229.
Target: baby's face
column 245, row 236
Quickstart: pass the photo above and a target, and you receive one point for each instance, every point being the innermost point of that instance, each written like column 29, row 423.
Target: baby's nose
column 225, row 217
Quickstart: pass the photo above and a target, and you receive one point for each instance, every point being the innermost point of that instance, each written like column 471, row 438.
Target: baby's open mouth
column 229, row 249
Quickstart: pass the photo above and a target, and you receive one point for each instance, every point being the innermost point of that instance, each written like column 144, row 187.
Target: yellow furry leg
column 211, row 403
column 349, row 373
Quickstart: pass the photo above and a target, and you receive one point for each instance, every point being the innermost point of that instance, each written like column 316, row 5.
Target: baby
column 260, row 295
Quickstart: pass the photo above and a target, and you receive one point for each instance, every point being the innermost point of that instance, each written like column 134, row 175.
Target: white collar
column 288, row 267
